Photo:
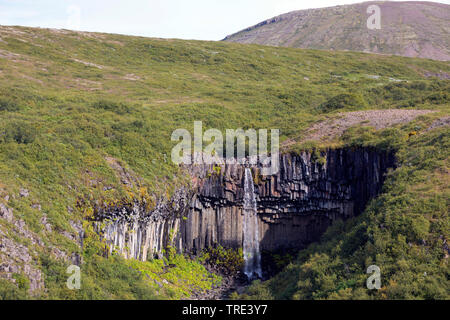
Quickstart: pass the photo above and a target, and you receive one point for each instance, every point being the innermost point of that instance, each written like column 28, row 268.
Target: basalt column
column 293, row 207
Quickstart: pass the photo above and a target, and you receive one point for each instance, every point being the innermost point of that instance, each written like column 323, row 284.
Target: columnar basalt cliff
column 294, row 206
column 134, row 231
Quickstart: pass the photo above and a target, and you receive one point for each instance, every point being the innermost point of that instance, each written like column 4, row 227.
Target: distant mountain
column 412, row 29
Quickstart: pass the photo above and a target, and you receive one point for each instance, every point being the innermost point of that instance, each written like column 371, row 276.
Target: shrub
column 437, row 98
column 227, row 260
column 9, row 291
column 119, row 108
column 21, row 281
column 256, row 291
column 20, row 132
column 343, row 100
column 8, row 105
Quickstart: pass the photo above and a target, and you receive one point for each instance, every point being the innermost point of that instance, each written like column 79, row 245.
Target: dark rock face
column 295, row 206
column 138, row 233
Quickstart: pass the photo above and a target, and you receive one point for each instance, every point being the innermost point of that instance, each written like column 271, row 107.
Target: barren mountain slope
column 413, row 29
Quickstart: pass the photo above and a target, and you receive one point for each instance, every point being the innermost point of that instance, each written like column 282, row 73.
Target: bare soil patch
column 379, row 119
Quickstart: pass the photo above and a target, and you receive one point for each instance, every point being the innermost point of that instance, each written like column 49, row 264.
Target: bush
column 119, row 108
column 22, row 281
column 438, row 98
column 8, row 105
column 20, row 132
column 227, row 260
column 9, row 291
column 344, row 100
column 256, row 291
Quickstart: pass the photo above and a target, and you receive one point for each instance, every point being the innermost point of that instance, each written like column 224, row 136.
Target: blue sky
column 185, row 19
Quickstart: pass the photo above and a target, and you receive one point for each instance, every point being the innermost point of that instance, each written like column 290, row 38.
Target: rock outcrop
column 16, row 258
column 295, row 206
column 134, row 231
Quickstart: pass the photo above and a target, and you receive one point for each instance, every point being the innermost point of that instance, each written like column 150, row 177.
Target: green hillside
column 69, row 101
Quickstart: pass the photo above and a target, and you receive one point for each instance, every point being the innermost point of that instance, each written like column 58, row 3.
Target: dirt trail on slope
column 379, row 119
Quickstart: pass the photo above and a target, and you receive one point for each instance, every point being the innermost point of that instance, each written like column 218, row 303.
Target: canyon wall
column 294, row 206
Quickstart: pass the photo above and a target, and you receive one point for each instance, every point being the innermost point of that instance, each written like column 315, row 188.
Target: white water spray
column 252, row 256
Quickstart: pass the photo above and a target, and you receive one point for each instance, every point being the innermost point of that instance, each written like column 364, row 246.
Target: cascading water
column 252, row 256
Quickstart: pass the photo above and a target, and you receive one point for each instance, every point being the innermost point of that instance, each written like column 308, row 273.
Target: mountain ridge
column 344, row 28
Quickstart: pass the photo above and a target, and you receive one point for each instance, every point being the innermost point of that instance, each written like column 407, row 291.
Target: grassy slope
column 68, row 100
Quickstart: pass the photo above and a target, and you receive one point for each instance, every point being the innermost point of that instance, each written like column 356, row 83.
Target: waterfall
column 252, row 256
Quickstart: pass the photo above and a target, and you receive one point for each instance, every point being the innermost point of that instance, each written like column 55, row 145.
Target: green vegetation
column 176, row 277
column 101, row 278
column 226, row 260
column 343, row 100
column 172, row 277
column 10, row 291
column 69, row 101
column 22, row 282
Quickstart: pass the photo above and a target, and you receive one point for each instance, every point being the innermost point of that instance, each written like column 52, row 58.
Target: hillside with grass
column 78, row 109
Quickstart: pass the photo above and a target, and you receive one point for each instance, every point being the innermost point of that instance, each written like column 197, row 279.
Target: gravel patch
column 379, row 119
